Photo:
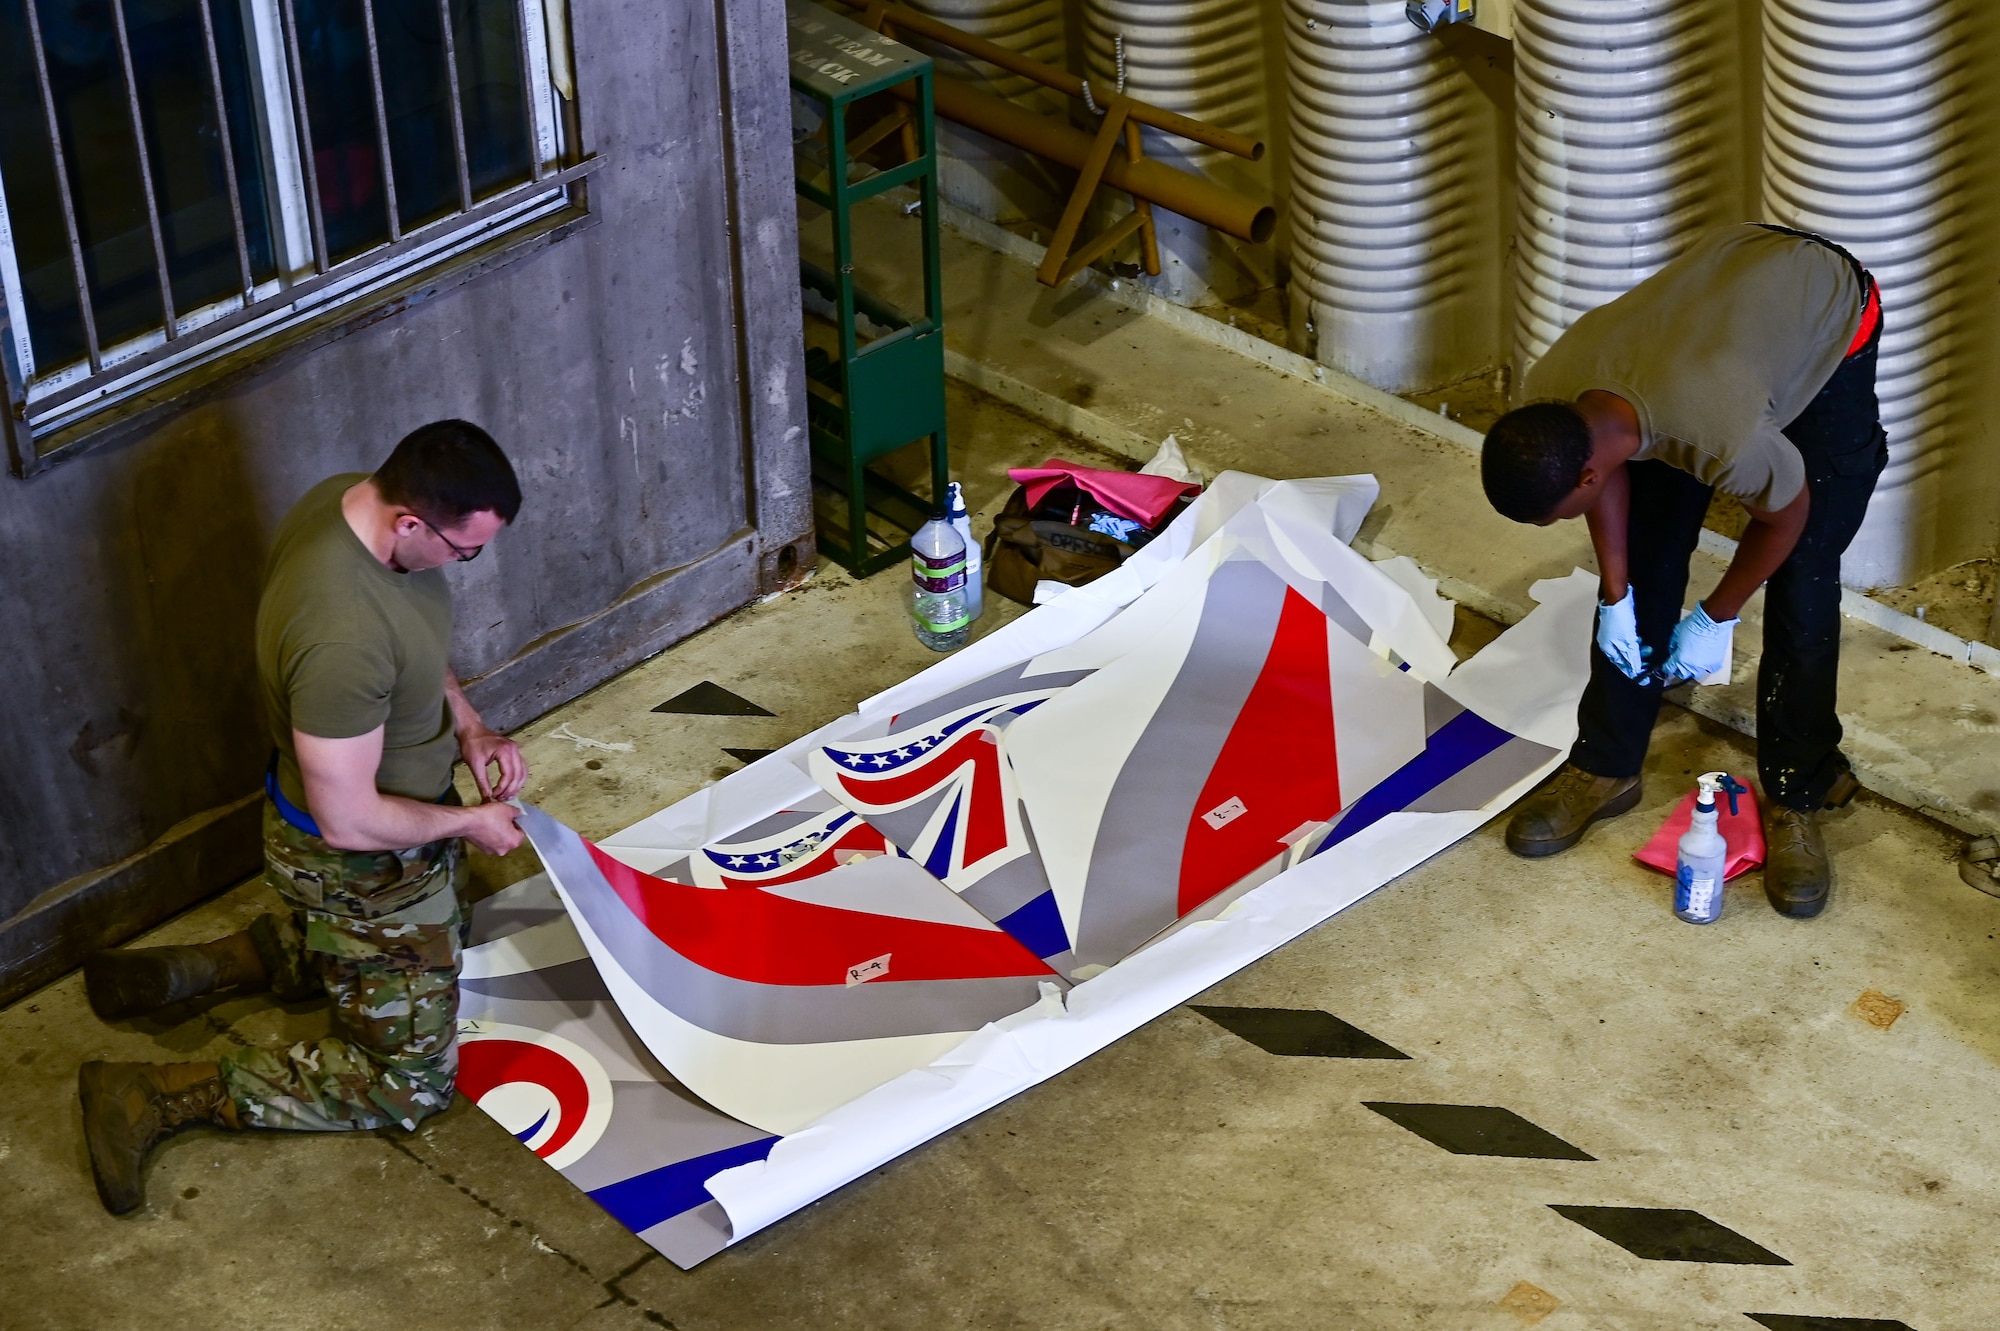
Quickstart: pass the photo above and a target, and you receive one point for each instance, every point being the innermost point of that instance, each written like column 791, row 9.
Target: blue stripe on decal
column 1038, row 926
column 939, row 862
column 1458, row 743
column 644, row 1200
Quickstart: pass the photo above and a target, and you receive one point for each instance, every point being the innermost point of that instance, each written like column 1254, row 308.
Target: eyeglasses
column 463, row 555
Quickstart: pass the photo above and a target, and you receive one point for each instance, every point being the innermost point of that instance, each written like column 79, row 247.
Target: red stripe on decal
column 749, row 934
column 1279, row 760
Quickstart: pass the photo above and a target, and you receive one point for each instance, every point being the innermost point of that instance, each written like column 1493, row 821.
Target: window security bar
column 345, row 142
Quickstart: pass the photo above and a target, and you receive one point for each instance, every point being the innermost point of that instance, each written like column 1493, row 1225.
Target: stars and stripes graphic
column 816, row 844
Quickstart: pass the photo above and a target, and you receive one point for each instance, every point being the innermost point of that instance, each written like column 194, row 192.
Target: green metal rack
column 876, row 397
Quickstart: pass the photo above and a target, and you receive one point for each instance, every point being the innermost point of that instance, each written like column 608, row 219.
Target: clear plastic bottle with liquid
column 961, row 522
column 937, row 570
column 1703, row 854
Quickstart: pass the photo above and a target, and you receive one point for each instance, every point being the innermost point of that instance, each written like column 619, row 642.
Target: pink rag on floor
column 1128, row 494
column 1742, row 832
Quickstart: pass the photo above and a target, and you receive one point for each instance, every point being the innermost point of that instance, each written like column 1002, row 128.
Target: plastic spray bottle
column 1704, row 855
column 937, row 570
column 961, row 522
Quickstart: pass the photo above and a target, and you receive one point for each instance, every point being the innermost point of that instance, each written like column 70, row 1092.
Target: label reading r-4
column 871, row 969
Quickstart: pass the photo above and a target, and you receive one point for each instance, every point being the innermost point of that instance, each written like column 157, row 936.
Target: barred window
column 180, row 179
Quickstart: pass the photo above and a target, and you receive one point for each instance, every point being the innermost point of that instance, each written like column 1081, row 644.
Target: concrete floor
column 1183, row 1178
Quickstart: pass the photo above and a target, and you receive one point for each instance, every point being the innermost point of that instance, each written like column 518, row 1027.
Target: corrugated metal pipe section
column 990, row 178
column 1382, row 243
column 1862, row 144
column 1205, row 59
column 1614, row 134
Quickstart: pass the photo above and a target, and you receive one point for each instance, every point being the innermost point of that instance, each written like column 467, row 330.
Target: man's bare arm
column 1610, row 522
column 484, row 747
column 1765, row 544
column 352, row 814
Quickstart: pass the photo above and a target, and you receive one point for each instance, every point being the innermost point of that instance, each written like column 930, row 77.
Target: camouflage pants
column 379, row 934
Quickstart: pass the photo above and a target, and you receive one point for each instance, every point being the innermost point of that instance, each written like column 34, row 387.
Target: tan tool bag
column 1021, row 550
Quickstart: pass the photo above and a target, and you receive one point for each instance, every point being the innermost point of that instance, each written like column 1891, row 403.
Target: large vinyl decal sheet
column 1001, row 865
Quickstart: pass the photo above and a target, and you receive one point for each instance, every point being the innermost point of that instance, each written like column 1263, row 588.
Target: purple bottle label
column 938, row 575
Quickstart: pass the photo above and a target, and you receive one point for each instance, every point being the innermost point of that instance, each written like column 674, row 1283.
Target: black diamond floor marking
column 1794, row 1322
column 747, row 756
column 1659, row 1235
column 711, row 699
column 1478, row 1130
column 1296, row 1033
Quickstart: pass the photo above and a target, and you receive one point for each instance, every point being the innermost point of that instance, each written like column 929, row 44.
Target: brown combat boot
column 129, row 1108
column 1798, row 876
column 1555, row 817
column 126, row 981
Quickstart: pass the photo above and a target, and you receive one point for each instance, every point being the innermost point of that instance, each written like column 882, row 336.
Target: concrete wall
column 642, row 372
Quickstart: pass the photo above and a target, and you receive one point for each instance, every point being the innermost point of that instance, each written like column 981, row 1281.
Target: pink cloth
column 1128, row 494
column 1742, row 832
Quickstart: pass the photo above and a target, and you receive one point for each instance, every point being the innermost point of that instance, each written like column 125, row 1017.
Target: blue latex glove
column 1700, row 646
column 1618, row 636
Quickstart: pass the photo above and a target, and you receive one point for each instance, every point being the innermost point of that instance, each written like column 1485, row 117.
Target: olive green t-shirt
column 1717, row 352
column 345, row 644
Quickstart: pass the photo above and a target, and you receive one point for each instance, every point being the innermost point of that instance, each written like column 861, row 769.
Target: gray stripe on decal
column 1133, row 890
column 1008, row 888
column 1336, row 608
column 1440, row 708
column 904, row 827
column 569, row 981
column 1002, row 683
column 766, row 1013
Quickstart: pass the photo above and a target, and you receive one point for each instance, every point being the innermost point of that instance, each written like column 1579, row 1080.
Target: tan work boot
column 1798, row 876
column 1555, row 817
column 129, row 1108
column 126, row 981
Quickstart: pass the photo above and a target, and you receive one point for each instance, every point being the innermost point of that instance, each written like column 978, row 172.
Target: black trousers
column 1840, row 436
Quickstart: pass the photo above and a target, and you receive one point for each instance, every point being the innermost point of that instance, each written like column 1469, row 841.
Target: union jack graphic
column 943, row 789
column 950, row 781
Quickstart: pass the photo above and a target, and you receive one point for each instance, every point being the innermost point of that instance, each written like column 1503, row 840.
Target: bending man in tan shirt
column 1746, row 365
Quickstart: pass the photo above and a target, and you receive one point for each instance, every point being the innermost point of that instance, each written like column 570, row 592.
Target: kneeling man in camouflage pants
column 363, row 833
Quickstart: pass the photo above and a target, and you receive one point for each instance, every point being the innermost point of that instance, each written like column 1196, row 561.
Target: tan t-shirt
column 344, row 645
column 1717, row 352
